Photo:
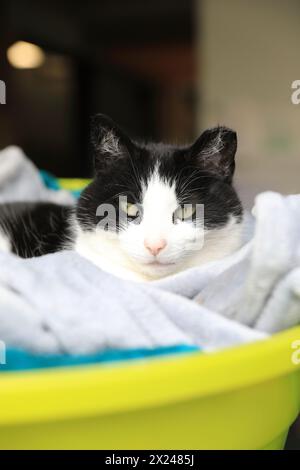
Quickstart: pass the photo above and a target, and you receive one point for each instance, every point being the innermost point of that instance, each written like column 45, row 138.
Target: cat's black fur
column 35, row 229
column 202, row 174
column 211, row 183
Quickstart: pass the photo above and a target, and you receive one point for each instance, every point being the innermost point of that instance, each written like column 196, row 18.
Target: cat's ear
column 215, row 150
column 109, row 141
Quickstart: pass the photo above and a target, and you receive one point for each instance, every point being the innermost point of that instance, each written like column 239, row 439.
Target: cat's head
column 161, row 207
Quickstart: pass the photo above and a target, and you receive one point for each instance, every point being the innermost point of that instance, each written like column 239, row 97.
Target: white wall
column 248, row 56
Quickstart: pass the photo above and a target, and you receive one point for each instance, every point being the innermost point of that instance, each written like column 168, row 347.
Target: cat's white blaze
column 4, row 243
column 159, row 202
column 126, row 255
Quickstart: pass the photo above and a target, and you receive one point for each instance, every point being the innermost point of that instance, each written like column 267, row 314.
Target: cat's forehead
column 164, row 158
column 158, row 191
column 158, row 162
column 168, row 180
column 159, row 150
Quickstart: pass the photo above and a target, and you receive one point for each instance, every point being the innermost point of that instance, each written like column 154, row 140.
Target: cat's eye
column 184, row 212
column 132, row 210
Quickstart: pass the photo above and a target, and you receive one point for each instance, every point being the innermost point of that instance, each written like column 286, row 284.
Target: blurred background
column 133, row 60
column 164, row 70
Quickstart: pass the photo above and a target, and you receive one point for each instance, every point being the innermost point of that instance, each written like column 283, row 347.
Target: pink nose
column 155, row 246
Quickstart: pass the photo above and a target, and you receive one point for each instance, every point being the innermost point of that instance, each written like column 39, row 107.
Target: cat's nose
column 155, row 246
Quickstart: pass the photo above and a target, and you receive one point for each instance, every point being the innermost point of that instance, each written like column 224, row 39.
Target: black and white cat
column 147, row 195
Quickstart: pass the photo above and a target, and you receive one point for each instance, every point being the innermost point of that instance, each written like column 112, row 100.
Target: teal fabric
column 17, row 360
column 51, row 182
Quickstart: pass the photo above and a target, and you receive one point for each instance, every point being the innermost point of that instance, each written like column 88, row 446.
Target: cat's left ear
column 215, row 150
column 110, row 143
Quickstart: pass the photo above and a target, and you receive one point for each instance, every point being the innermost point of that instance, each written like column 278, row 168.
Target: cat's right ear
column 215, row 151
column 109, row 141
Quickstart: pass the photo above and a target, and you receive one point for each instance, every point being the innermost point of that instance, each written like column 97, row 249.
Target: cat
column 139, row 218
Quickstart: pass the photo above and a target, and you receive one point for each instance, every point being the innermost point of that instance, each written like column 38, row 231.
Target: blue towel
column 17, row 359
column 51, row 182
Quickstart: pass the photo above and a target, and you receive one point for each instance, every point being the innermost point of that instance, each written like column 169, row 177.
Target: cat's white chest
column 105, row 254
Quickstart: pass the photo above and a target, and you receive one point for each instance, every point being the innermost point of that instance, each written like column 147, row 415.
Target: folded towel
column 62, row 303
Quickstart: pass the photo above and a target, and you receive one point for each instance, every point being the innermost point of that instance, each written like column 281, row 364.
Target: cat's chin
column 159, row 264
column 156, row 270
